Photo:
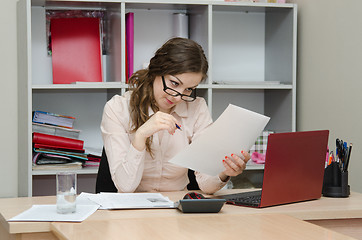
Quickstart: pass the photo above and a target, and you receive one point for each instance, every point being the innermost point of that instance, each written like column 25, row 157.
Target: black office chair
column 193, row 185
column 104, row 182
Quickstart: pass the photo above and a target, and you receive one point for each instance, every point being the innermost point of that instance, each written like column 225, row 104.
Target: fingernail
column 226, row 157
column 223, row 160
column 232, row 155
column 242, row 151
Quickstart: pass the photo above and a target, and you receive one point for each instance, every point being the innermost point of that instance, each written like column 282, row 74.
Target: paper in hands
column 236, row 129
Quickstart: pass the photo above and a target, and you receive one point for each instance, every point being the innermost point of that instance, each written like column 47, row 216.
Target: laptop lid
column 294, row 167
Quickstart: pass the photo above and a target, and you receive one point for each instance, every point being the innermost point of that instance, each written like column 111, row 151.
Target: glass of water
column 66, row 192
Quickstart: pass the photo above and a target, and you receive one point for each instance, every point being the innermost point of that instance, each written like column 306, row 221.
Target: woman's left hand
column 234, row 165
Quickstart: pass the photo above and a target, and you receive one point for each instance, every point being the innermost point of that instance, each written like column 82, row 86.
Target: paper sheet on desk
column 236, row 129
column 48, row 213
column 131, row 200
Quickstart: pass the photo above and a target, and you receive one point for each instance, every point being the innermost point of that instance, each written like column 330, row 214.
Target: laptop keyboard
column 245, row 199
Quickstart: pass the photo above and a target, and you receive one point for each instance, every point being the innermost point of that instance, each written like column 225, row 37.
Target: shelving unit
column 251, row 48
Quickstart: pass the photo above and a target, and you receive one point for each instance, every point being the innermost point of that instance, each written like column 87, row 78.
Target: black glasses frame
column 174, row 93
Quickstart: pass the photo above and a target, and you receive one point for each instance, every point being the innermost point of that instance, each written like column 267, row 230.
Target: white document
column 236, row 129
column 48, row 213
column 131, row 200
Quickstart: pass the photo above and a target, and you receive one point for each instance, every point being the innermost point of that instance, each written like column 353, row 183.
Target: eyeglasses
column 174, row 93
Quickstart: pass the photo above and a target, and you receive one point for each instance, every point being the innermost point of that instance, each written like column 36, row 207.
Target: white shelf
column 87, row 170
column 264, row 85
column 86, row 85
column 254, row 166
column 251, row 49
column 118, row 85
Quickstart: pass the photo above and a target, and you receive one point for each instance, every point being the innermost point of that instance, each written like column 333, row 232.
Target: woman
column 160, row 115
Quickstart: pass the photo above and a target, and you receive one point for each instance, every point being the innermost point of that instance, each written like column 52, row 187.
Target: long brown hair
column 176, row 56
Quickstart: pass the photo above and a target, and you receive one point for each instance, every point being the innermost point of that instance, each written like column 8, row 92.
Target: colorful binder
column 76, row 50
column 56, row 141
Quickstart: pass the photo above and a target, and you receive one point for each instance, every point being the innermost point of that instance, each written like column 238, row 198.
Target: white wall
column 329, row 82
column 8, row 100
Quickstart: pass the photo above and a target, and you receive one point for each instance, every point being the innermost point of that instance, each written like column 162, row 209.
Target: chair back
column 193, row 185
column 104, row 182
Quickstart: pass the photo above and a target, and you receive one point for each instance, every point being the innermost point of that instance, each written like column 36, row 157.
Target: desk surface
column 255, row 226
column 324, row 208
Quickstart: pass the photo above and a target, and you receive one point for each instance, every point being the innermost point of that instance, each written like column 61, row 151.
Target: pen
column 178, row 127
column 345, row 167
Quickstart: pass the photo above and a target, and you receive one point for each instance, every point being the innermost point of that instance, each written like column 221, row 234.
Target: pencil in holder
column 335, row 182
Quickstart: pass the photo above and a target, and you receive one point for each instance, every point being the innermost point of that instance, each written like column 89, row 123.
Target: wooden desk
column 327, row 212
column 255, row 226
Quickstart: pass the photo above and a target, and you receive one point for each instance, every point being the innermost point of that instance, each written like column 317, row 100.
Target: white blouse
column 137, row 171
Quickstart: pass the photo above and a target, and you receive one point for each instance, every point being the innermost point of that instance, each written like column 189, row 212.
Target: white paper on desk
column 48, row 213
column 236, row 129
column 131, row 200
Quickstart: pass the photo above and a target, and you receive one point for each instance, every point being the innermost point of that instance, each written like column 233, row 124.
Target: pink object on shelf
column 129, row 43
column 258, row 157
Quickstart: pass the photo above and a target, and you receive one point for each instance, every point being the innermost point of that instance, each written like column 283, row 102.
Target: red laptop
column 293, row 172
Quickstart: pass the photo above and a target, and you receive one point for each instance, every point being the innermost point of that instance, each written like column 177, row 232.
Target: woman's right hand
column 157, row 122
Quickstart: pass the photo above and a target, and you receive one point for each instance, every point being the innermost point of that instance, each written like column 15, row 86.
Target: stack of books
column 56, row 144
column 93, row 161
column 54, row 124
column 55, row 152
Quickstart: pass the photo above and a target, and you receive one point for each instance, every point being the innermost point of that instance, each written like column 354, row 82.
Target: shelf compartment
column 259, row 47
column 45, row 185
column 156, row 22
column 274, row 103
column 111, row 53
column 85, row 105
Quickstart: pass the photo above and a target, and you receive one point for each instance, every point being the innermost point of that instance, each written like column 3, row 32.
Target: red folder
column 76, row 50
column 65, row 149
column 51, row 140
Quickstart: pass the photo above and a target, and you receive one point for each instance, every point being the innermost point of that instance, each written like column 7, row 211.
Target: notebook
column 293, row 172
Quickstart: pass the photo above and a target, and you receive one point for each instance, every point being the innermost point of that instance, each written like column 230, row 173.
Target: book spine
column 53, row 119
column 55, row 130
column 62, row 153
column 51, row 140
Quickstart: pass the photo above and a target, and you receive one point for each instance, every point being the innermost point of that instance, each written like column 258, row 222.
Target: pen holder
column 335, row 182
